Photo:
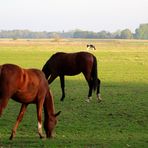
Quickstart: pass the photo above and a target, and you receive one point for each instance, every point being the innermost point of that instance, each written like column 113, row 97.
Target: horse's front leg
column 52, row 78
column 39, row 116
column 62, row 87
column 19, row 119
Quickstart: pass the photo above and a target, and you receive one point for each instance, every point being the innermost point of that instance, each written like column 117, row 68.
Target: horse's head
column 49, row 125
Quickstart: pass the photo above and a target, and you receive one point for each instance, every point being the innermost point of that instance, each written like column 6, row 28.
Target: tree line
column 140, row 33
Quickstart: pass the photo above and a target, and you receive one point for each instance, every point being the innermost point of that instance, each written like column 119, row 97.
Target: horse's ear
column 58, row 113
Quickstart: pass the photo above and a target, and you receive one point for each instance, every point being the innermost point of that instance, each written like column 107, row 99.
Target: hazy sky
column 59, row 15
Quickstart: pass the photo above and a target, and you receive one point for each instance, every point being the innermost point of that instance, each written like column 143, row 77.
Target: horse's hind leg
column 62, row 87
column 90, row 84
column 98, row 91
column 19, row 119
column 3, row 101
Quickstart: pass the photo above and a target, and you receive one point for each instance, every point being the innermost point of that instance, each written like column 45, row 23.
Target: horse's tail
column 3, row 99
column 94, row 73
column 1, row 108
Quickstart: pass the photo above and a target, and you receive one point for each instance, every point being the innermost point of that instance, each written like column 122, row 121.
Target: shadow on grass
column 121, row 114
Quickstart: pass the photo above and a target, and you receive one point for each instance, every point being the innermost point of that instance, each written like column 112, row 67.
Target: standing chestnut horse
column 27, row 86
column 70, row 64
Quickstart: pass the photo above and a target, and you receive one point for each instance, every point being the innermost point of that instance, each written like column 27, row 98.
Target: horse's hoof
column 42, row 136
column 62, row 99
column 87, row 100
column 99, row 98
column 90, row 98
column 52, row 136
column 11, row 137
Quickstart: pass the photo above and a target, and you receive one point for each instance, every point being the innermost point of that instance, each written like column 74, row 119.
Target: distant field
column 119, row 121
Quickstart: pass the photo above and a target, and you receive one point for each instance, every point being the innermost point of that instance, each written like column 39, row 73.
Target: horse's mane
column 58, row 53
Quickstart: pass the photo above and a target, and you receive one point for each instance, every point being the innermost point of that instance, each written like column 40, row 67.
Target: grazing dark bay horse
column 61, row 64
column 27, row 86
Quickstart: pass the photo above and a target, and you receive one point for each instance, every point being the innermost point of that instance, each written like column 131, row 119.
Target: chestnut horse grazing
column 27, row 86
column 70, row 64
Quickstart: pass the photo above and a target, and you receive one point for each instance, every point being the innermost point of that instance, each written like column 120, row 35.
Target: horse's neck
column 0, row 68
column 49, row 104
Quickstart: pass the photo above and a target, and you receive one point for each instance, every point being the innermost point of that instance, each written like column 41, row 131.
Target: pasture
column 119, row 121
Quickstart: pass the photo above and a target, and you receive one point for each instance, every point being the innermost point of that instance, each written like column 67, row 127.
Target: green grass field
column 119, row 121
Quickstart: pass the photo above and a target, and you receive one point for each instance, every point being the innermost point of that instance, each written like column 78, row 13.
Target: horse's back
column 77, row 62
column 10, row 73
column 85, row 61
column 34, row 78
column 60, row 57
column 67, row 63
column 9, row 80
column 70, row 56
column 84, row 55
column 23, row 85
column 38, row 76
column 10, row 68
column 32, row 86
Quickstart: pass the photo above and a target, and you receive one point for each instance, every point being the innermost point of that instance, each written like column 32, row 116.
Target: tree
column 104, row 35
column 142, row 32
column 116, row 35
column 126, row 34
